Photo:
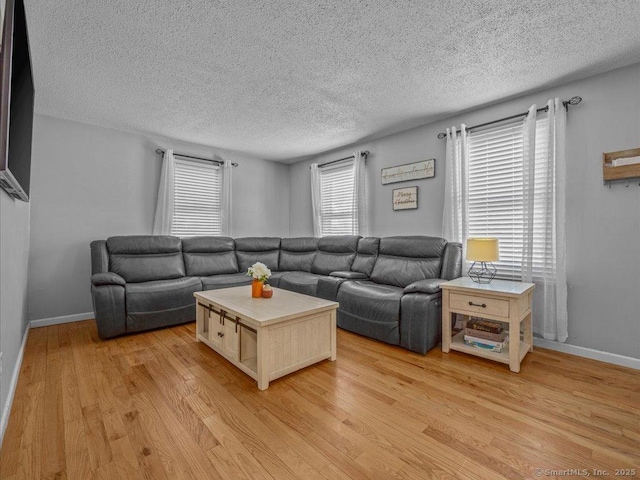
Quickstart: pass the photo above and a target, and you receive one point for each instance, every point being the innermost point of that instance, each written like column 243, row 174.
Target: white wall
column 14, row 257
column 603, row 225
column 90, row 183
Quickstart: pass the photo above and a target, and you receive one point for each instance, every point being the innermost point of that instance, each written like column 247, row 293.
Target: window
column 496, row 189
column 197, row 198
column 337, row 210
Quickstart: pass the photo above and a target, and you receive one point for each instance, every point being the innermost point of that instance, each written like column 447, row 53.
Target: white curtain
column 456, row 205
column 544, row 180
column 360, row 220
column 316, row 201
column 227, row 226
column 163, row 219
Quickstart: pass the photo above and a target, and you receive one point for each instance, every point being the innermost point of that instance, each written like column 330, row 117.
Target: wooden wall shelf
column 623, row 172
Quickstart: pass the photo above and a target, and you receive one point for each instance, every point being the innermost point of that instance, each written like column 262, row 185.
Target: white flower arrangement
column 259, row 271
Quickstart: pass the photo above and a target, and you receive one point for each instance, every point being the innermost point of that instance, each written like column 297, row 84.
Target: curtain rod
column 365, row 154
column 572, row 101
column 161, row 152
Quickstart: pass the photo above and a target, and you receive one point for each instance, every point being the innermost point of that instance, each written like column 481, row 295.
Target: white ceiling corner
column 286, row 79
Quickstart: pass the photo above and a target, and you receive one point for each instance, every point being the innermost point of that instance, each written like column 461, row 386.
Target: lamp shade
column 482, row 249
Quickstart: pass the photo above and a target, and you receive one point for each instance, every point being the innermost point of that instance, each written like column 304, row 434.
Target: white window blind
column 496, row 206
column 198, row 198
column 337, row 210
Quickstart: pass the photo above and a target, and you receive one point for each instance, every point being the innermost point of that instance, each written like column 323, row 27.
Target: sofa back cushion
column 297, row 254
column 143, row 258
column 205, row 256
column 250, row 250
column 366, row 256
column 335, row 253
column 407, row 259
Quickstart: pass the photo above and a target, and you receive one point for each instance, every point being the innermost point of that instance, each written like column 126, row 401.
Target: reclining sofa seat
column 250, row 250
column 296, row 255
column 213, row 260
column 361, row 268
column 400, row 303
column 141, row 284
column 333, row 253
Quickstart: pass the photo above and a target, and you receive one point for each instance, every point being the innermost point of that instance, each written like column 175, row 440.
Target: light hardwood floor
column 158, row 405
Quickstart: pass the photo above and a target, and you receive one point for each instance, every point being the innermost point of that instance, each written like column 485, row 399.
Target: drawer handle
column 220, row 334
column 483, row 305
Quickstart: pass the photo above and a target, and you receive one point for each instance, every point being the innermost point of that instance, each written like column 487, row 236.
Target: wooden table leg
column 446, row 322
column 528, row 331
column 514, row 346
column 201, row 318
column 262, row 362
column 333, row 335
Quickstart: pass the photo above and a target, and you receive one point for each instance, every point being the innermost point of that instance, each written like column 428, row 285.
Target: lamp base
column 482, row 274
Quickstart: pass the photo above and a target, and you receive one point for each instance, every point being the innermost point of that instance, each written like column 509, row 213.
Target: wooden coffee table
column 266, row 338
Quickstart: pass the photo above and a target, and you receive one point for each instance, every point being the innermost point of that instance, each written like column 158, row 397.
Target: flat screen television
column 16, row 103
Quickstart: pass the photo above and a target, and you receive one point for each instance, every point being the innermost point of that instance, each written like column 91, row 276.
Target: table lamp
column 483, row 251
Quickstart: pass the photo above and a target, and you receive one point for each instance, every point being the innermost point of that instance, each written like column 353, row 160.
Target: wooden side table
column 500, row 300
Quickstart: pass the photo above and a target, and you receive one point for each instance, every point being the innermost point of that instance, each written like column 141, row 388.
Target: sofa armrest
column 421, row 321
column 429, row 286
column 108, row 278
column 109, row 309
column 350, row 275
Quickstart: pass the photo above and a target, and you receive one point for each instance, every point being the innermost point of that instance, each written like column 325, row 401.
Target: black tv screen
column 17, row 103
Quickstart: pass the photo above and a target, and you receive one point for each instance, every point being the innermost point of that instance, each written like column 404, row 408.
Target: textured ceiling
column 286, row 79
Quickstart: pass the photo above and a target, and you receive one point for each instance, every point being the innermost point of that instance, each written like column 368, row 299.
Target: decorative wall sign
column 405, row 198
column 410, row 171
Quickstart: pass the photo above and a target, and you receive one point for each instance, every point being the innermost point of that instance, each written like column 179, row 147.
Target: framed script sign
column 410, row 171
column 405, row 198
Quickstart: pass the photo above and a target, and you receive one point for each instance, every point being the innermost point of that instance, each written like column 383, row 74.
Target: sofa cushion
column 370, row 309
column 300, row 282
column 297, row 254
column 335, row 253
column 366, row 256
column 404, row 260
column 204, row 256
column 328, row 287
column 250, row 250
column 225, row 281
column 274, row 279
column 371, row 300
column 144, row 258
column 141, row 244
column 161, row 294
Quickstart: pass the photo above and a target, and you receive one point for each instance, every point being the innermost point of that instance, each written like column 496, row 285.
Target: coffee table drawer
column 480, row 305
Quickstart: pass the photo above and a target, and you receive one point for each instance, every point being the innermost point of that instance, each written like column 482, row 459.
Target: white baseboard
column 12, row 386
column 45, row 322
column 588, row 353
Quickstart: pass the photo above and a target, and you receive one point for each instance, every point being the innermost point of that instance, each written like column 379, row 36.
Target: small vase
column 256, row 289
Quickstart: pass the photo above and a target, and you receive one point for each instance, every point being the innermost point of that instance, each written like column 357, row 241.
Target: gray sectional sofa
column 388, row 288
